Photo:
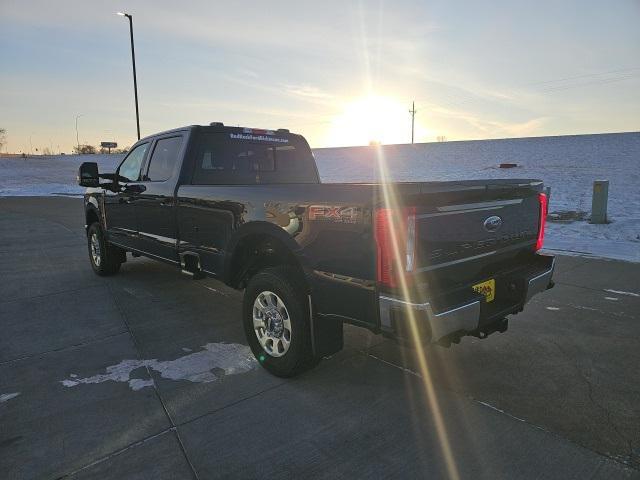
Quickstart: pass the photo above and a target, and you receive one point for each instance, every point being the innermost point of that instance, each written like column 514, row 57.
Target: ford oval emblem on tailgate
column 493, row 223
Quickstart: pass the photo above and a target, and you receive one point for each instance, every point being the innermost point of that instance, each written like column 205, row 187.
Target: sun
column 371, row 119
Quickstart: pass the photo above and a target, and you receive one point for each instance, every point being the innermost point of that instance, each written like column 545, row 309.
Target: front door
column 155, row 207
column 122, row 227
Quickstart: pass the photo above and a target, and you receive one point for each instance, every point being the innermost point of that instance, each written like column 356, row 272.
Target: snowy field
column 568, row 164
column 48, row 175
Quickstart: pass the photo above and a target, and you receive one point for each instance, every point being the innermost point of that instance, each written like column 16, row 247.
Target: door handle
column 134, row 189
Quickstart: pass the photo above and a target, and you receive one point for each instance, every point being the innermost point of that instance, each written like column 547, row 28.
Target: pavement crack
column 115, row 453
column 62, row 349
column 628, row 458
column 44, row 295
column 155, row 387
column 217, row 410
column 627, row 462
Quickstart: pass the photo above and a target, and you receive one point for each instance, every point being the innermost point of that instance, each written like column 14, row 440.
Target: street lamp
column 77, row 139
column 133, row 60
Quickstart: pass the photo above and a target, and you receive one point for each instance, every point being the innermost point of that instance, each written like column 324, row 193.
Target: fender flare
column 92, row 206
column 259, row 228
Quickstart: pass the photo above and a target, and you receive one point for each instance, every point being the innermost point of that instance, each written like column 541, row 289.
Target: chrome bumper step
column 464, row 318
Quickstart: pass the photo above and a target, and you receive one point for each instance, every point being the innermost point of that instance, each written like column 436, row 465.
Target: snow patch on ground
column 214, row 362
column 622, row 292
column 5, row 397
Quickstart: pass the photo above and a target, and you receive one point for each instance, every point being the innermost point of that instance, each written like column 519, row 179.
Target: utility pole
column 413, row 118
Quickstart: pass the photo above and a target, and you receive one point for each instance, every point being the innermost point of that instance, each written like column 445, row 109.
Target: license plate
column 488, row 289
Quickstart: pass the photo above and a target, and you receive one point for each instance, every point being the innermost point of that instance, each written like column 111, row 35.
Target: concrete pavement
column 557, row 396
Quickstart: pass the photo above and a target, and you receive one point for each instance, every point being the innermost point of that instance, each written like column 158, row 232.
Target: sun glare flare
column 372, row 119
column 392, row 204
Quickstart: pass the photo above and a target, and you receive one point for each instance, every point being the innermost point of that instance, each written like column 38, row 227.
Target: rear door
column 120, row 212
column 155, row 207
column 206, row 223
column 225, row 163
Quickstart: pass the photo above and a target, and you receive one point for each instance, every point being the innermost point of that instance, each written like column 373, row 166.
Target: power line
column 624, row 71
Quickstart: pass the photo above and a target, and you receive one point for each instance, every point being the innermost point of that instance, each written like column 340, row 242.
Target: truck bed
column 331, row 227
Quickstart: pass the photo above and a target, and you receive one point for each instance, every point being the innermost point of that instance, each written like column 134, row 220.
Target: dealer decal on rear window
column 335, row 213
column 259, row 138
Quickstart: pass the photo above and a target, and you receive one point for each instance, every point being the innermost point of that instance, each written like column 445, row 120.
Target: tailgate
column 466, row 232
column 462, row 255
column 479, row 227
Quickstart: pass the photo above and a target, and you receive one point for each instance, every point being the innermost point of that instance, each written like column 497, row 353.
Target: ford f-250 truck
column 427, row 262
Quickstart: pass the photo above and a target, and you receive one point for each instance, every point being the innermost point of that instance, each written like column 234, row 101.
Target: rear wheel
column 276, row 321
column 105, row 258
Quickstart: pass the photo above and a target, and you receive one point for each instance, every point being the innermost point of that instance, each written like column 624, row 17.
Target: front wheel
column 276, row 322
column 105, row 259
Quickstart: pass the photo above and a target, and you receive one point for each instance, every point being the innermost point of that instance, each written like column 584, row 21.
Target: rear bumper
column 398, row 315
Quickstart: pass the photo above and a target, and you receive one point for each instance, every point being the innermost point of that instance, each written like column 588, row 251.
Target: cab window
column 129, row 170
column 163, row 159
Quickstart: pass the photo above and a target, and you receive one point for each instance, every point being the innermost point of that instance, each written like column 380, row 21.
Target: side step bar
column 190, row 265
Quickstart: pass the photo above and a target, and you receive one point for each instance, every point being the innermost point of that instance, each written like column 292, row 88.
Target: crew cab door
column 206, row 216
column 155, row 207
column 122, row 225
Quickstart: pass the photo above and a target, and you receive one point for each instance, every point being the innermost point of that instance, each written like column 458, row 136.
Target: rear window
column 223, row 160
column 163, row 159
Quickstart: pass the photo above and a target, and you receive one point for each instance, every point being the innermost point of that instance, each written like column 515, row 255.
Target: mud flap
column 327, row 336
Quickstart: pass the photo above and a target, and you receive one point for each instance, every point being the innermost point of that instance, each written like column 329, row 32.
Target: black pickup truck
column 420, row 262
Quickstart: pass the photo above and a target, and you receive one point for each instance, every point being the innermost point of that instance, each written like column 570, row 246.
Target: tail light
column 542, row 200
column 395, row 234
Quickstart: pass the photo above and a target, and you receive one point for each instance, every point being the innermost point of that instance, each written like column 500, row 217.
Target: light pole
column 77, row 139
column 133, row 60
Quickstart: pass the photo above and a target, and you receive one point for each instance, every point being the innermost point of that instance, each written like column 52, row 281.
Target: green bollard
column 599, row 201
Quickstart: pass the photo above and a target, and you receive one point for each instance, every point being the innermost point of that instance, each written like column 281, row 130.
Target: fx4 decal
column 335, row 213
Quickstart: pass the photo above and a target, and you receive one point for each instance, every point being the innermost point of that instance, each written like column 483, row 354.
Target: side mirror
column 88, row 175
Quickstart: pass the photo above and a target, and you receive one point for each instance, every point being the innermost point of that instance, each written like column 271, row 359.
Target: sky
column 339, row 72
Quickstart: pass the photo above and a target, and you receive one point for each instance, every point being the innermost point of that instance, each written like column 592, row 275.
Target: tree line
column 90, row 150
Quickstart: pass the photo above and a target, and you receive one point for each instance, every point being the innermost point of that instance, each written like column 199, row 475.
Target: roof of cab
column 219, row 127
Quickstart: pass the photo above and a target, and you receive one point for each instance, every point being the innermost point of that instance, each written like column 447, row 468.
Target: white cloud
column 306, row 91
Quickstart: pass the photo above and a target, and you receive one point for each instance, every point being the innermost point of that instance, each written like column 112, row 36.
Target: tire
column 281, row 341
column 105, row 258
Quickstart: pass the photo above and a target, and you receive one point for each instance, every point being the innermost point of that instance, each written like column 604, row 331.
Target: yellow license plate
column 488, row 289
